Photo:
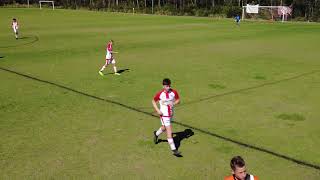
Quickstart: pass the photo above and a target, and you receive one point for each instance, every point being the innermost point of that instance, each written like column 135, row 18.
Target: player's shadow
column 179, row 136
column 1, row 56
column 123, row 70
column 24, row 37
column 119, row 71
column 31, row 40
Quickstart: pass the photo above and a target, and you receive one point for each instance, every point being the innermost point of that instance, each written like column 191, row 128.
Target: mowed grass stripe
column 300, row 162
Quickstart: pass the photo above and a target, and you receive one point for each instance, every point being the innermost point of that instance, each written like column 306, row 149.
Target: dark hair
column 166, row 81
column 14, row 19
column 237, row 161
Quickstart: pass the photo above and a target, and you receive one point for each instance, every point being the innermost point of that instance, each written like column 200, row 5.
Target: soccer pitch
column 251, row 90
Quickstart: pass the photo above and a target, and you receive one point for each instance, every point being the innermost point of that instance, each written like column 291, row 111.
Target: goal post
column 52, row 2
column 266, row 12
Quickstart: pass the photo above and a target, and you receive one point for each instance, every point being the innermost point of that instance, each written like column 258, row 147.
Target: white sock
column 115, row 69
column 159, row 132
column 103, row 67
column 171, row 143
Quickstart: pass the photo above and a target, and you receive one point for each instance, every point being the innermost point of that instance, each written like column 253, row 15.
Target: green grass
column 247, row 77
column 291, row 117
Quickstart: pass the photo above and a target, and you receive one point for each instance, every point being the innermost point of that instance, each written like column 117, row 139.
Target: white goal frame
column 271, row 7
column 52, row 2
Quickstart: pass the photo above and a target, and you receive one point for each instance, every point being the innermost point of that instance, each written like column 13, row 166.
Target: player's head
column 166, row 83
column 14, row 19
column 238, row 167
column 111, row 41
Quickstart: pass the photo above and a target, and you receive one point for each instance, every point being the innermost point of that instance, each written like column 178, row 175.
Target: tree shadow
column 179, row 136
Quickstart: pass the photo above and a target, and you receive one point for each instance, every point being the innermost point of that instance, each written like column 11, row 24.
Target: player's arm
column 177, row 98
column 154, row 103
column 155, row 99
column 176, row 101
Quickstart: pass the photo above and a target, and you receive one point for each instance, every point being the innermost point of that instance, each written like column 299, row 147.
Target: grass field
column 256, row 85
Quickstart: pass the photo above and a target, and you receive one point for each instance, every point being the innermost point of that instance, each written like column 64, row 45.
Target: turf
column 256, row 85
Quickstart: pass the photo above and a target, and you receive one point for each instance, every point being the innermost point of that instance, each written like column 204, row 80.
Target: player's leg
column 171, row 142
column 168, row 126
column 157, row 133
column 113, row 61
column 15, row 30
column 104, row 66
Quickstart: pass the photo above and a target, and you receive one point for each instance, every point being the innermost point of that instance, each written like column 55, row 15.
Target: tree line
column 305, row 10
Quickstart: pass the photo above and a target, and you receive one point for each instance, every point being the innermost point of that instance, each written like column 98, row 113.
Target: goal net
column 48, row 3
column 274, row 13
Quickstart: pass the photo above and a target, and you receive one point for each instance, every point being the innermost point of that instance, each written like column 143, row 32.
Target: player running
column 109, row 59
column 15, row 27
column 167, row 98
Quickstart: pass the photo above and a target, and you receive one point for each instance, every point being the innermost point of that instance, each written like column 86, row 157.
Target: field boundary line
column 242, row 144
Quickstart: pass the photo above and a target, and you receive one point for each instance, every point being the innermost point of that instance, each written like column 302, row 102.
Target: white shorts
column 109, row 56
column 110, row 61
column 166, row 121
column 15, row 30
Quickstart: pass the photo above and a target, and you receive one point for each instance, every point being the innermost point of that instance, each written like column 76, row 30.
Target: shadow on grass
column 25, row 37
column 123, row 70
column 179, row 136
column 119, row 71
column 33, row 39
column 200, row 130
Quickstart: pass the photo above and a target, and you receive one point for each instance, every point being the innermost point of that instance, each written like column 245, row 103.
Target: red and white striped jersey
column 166, row 101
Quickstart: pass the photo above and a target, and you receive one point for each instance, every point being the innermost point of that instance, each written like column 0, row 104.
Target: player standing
column 167, row 98
column 109, row 59
column 15, row 27
column 239, row 171
column 237, row 19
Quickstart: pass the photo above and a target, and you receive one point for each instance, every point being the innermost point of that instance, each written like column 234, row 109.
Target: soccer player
column 167, row 98
column 239, row 172
column 109, row 59
column 237, row 19
column 15, row 27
